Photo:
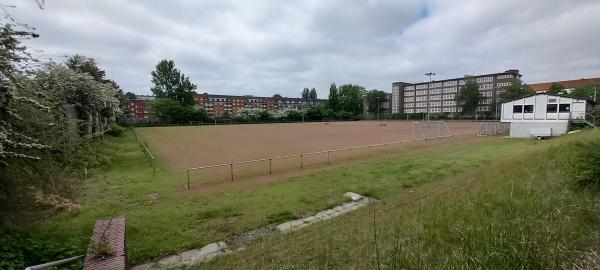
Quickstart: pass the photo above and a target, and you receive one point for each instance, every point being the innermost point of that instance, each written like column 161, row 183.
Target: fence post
column 301, row 161
column 231, row 170
column 188, row 179
column 328, row 157
column 270, row 167
column 350, row 153
column 153, row 166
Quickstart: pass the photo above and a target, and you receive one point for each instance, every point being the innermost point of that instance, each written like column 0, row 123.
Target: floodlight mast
column 428, row 90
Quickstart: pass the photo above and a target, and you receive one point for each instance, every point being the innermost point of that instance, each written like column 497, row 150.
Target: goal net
column 493, row 128
column 430, row 130
column 223, row 122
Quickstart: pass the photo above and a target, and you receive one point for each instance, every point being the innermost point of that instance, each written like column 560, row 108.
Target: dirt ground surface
column 214, row 185
column 196, row 146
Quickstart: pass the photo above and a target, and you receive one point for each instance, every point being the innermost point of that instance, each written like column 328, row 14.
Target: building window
column 564, row 108
column 517, row 109
column 528, row 109
column 551, row 108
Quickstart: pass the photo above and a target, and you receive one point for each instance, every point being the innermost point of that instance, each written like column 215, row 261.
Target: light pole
column 378, row 108
column 428, row 90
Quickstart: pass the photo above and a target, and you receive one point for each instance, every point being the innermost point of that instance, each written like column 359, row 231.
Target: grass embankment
column 522, row 211
column 177, row 222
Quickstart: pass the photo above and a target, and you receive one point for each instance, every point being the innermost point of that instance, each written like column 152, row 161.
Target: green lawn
column 178, row 222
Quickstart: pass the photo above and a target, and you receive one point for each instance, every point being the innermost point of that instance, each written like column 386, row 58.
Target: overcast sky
column 263, row 47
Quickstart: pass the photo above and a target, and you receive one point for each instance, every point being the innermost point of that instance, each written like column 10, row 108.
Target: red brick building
column 139, row 107
column 569, row 85
column 220, row 105
column 223, row 105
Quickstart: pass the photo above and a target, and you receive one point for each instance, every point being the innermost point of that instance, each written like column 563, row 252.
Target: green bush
column 19, row 249
column 585, row 166
column 115, row 130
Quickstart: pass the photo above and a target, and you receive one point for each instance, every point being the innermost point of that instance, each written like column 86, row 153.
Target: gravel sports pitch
column 193, row 146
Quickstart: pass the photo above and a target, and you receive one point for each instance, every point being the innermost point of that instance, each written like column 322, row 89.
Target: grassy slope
column 179, row 222
column 519, row 212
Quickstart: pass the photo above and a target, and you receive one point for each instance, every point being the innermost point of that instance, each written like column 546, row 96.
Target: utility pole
column 428, row 90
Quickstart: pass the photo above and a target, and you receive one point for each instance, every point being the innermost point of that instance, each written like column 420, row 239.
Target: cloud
column 265, row 47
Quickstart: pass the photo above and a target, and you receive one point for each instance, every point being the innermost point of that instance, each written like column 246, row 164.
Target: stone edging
column 212, row 250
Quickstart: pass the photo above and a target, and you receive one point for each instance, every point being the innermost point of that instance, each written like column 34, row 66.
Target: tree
column 351, row 98
column 170, row 111
column 333, row 102
column 587, row 91
column 86, row 65
column 312, row 94
column 305, row 93
column 277, row 96
column 516, row 90
column 14, row 143
column 170, row 83
column 130, row 95
column 556, row 89
column 374, row 99
column 40, row 154
column 468, row 96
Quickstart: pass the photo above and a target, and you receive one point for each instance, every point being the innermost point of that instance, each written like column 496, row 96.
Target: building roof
column 257, row 97
column 510, row 71
column 541, row 93
column 144, row 97
column 570, row 84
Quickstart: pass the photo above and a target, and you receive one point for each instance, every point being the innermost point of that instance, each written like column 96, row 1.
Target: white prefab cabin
column 543, row 115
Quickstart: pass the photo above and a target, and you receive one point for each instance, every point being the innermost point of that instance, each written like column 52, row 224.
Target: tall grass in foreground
column 522, row 212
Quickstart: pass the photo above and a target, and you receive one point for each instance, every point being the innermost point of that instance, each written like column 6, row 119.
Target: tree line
column 47, row 112
column 175, row 101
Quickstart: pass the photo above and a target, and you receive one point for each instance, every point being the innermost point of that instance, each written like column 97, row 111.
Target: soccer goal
column 326, row 121
column 196, row 123
column 493, row 128
column 430, row 130
column 223, row 122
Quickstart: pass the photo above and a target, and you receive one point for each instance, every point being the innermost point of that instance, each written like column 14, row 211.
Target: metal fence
column 300, row 158
column 146, row 151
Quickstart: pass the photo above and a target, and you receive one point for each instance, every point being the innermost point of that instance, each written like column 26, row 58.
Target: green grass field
column 520, row 211
column 437, row 205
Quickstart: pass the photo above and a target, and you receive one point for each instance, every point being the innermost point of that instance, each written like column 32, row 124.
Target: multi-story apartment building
column 440, row 96
column 139, row 107
column 220, row 105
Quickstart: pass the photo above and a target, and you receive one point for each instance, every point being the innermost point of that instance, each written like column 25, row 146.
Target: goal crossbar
column 430, row 129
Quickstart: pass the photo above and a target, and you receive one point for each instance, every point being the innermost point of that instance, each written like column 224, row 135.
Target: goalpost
column 430, row 130
column 223, row 122
column 492, row 128
column 326, row 121
column 196, row 123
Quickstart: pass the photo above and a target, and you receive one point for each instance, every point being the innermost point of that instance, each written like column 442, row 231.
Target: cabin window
column 551, row 108
column 528, row 109
column 564, row 108
column 518, row 109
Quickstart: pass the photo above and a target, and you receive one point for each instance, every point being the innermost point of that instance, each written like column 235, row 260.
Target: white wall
column 522, row 129
column 577, row 109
